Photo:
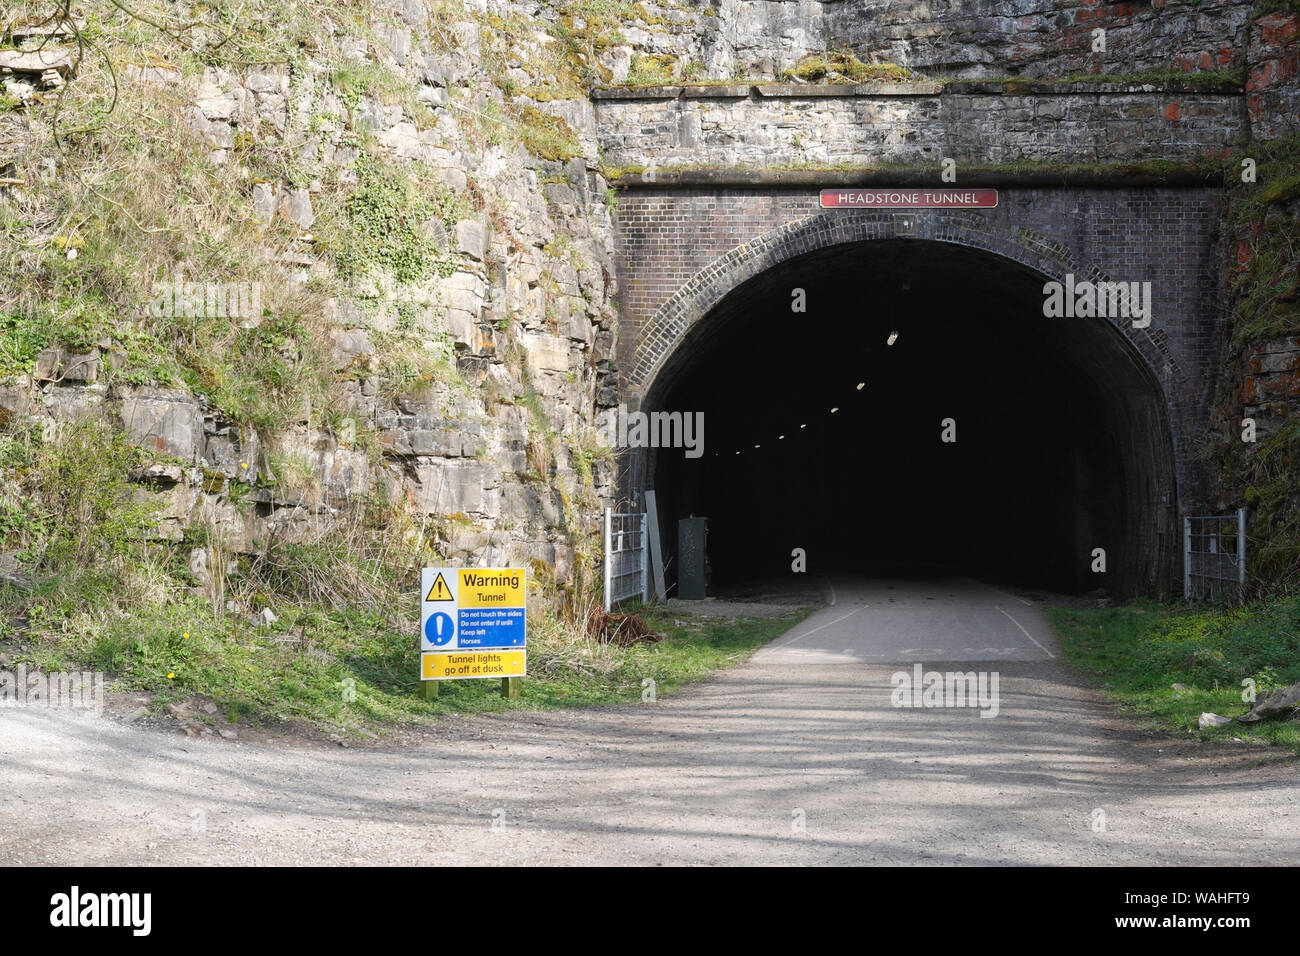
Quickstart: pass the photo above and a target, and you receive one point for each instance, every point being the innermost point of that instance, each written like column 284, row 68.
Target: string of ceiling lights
column 893, row 337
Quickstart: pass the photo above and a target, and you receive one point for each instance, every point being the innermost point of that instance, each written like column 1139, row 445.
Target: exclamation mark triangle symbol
column 439, row 591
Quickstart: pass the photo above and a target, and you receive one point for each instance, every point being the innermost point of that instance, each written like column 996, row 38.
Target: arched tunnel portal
column 820, row 434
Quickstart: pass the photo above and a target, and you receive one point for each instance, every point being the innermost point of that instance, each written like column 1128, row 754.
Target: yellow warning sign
column 439, row 591
column 464, row 665
column 491, row 587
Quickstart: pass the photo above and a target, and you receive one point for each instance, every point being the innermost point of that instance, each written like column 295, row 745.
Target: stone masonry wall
column 786, row 125
column 1273, row 80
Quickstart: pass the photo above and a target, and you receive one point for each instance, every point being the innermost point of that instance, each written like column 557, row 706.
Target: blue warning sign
column 491, row 627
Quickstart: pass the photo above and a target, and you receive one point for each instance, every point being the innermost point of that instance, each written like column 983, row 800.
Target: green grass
column 692, row 652
column 1139, row 651
column 352, row 670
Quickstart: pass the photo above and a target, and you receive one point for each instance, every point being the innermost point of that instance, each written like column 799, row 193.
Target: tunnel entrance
column 821, row 435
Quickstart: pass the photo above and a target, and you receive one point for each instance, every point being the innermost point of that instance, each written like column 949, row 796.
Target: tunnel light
column 835, row 409
column 757, row 446
column 861, row 386
column 803, row 426
column 780, row 437
column 893, row 337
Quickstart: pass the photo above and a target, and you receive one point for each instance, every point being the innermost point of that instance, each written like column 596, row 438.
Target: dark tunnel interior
column 1062, row 444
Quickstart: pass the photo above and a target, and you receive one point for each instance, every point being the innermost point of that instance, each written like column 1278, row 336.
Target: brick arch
column 670, row 325
column 1157, row 460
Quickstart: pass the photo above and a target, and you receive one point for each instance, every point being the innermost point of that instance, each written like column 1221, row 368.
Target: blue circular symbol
column 439, row 629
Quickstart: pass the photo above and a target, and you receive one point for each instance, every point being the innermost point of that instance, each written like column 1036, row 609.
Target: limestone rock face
column 461, row 393
column 760, row 39
column 164, row 420
column 547, row 353
column 60, row 365
column 471, row 239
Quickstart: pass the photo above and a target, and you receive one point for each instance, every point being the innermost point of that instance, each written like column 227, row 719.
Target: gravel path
column 795, row 757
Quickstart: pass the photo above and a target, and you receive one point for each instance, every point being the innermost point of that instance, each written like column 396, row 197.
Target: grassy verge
column 354, row 670
column 1140, row 651
column 692, row 649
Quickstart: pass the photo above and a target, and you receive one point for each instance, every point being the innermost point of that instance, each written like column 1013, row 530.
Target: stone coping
column 735, row 91
column 1118, row 176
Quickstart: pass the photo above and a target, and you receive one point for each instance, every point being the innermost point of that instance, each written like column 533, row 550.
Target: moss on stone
column 652, row 70
column 1281, row 190
column 1268, row 7
column 844, row 67
column 547, row 136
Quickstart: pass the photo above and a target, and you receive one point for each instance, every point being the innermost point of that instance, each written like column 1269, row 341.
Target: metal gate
column 627, row 557
column 1214, row 556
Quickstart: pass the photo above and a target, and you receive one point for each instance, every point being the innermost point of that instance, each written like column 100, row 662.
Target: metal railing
column 627, row 557
column 1214, row 556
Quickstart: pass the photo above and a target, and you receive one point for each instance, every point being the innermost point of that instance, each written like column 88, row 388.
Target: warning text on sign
column 488, row 588
column 491, row 627
column 464, row 666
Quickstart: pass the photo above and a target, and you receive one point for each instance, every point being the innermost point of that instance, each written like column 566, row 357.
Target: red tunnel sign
column 909, row 198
